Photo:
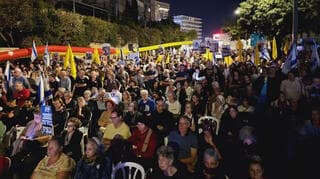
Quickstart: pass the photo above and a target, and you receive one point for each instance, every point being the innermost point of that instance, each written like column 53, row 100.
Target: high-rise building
column 188, row 23
column 145, row 10
column 148, row 10
column 161, row 11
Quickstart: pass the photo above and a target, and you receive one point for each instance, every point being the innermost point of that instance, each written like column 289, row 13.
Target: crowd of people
column 266, row 123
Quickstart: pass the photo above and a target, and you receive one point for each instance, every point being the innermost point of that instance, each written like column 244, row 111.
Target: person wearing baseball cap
column 144, row 142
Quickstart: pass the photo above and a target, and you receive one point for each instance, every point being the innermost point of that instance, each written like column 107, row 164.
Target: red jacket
column 21, row 96
column 137, row 138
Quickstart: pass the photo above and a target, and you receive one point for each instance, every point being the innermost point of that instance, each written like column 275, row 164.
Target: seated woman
column 104, row 118
column 209, row 167
column 94, row 165
column 32, row 132
column 72, row 138
column 59, row 116
column 256, row 170
column 144, row 142
column 131, row 116
column 82, row 112
column 56, row 164
column 69, row 102
column 218, row 107
column 166, row 168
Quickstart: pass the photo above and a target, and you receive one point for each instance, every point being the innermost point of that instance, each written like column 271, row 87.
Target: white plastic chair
column 19, row 131
column 127, row 174
column 212, row 119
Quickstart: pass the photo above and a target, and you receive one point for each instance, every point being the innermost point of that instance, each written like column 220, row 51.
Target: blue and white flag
column 34, row 53
column 134, row 56
column 291, row 61
column 7, row 73
column 121, row 62
column 265, row 53
column 46, row 56
column 41, row 91
column 315, row 60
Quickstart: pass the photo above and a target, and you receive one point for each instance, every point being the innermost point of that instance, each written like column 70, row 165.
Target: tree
column 233, row 29
column 267, row 17
column 100, row 31
column 274, row 17
column 15, row 21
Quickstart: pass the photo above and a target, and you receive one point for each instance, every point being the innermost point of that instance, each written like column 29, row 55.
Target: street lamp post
column 74, row 6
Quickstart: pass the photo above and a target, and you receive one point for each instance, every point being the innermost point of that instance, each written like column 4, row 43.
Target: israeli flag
column 34, row 53
column 7, row 73
column 315, row 60
column 41, row 91
column 46, row 56
column 291, row 61
column 134, row 56
column 265, row 53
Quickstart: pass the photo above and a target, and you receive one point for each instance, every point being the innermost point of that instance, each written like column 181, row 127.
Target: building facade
column 148, row 10
column 161, row 11
column 188, row 23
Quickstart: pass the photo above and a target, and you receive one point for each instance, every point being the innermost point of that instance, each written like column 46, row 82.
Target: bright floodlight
column 237, row 11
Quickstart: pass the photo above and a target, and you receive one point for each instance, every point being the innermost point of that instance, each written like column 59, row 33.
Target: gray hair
column 212, row 153
column 166, row 151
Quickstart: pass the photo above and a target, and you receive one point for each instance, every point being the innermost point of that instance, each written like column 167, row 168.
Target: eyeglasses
column 70, row 126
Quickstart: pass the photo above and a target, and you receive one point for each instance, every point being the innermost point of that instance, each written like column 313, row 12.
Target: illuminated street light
column 237, row 12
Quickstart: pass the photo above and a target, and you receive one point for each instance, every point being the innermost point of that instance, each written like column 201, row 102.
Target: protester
column 257, row 107
column 166, row 160
column 56, row 164
column 72, row 138
column 94, row 164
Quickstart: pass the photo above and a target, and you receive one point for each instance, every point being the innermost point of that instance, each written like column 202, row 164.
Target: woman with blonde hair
column 56, row 164
column 218, row 107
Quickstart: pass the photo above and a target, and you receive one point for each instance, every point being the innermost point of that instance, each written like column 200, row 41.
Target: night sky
column 212, row 12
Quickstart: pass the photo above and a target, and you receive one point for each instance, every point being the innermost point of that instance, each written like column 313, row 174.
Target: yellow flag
column 274, row 49
column 239, row 48
column 228, row 60
column 72, row 62
column 159, row 59
column 96, row 56
column 256, row 56
column 208, row 55
column 168, row 59
column 286, row 47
